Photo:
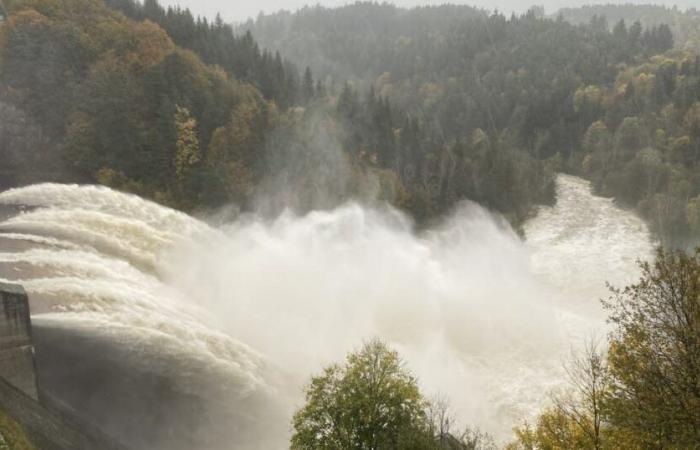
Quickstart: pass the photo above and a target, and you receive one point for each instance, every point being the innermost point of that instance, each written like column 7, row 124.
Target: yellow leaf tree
column 187, row 152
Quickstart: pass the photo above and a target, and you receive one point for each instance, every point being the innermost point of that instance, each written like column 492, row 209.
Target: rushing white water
column 480, row 316
column 584, row 240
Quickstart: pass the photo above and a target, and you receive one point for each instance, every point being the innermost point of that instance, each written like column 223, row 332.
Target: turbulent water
column 255, row 307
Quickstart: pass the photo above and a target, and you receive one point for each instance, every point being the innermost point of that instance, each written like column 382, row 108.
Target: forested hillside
column 684, row 24
column 419, row 107
column 90, row 95
column 536, row 87
column 215, row 43
column 644, row 147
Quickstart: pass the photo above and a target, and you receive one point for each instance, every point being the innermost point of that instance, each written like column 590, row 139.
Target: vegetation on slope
column 87, row 94
column 215, row 43
column 12, row 437
column 644, row 146
column 616, row 104
column 421, row 108
column 458, row 69
column 90, row 95
column 685, row 25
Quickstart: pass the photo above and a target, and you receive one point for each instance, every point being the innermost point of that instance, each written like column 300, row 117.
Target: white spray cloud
column 480, row 316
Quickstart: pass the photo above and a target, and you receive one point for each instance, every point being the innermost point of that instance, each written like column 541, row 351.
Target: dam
column 49, row 425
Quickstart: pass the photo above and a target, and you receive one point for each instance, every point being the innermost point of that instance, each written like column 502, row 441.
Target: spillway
column 172, row 333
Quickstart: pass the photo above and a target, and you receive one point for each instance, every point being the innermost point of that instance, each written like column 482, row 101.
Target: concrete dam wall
column 48, row 424
column 16, row 346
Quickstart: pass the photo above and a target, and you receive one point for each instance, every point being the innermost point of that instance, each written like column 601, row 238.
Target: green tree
column 692, row 126
column 597, row 143
column 370, row 402
column 307, row 85
column 629, row 138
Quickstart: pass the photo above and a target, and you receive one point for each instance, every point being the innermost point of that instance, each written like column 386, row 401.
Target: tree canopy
column 419, row 107
column 372, row 402
column 609, row 99
column 645, row 393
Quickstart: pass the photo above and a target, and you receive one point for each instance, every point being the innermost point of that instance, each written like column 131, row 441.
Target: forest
column 683, row 23
column 543, row 90
column 450, row 103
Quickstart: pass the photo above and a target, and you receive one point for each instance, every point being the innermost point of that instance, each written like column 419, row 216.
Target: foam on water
column 585, row 240
column 102, row 199
column 480, row 316
column 30, row 238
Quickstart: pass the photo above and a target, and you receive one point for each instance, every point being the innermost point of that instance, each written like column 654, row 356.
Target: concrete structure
column 51, row 430
column 16, row 348
column 48, row 423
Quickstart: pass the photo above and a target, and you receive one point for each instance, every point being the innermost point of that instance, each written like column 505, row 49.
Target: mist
column 306, row 290
column 480, row 315
column 242, row 11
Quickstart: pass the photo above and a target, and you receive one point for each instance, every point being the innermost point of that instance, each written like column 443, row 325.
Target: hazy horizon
column 242, row 11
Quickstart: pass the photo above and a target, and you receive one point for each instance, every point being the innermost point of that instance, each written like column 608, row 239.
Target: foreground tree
column 647, row 394
column 574, row 421
column 587, row 375
column 654, row 356
column 370, row 402
column 373, row 403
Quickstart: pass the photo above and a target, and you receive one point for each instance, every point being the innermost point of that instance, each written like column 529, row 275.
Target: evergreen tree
column 307, row 86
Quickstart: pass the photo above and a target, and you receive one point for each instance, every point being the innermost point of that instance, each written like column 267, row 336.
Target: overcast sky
column 240, row 10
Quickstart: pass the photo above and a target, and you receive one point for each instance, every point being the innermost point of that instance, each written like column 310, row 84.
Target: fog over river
column 171, row 332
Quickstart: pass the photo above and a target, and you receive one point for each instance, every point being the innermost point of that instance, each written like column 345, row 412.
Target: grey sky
column 240, row 10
